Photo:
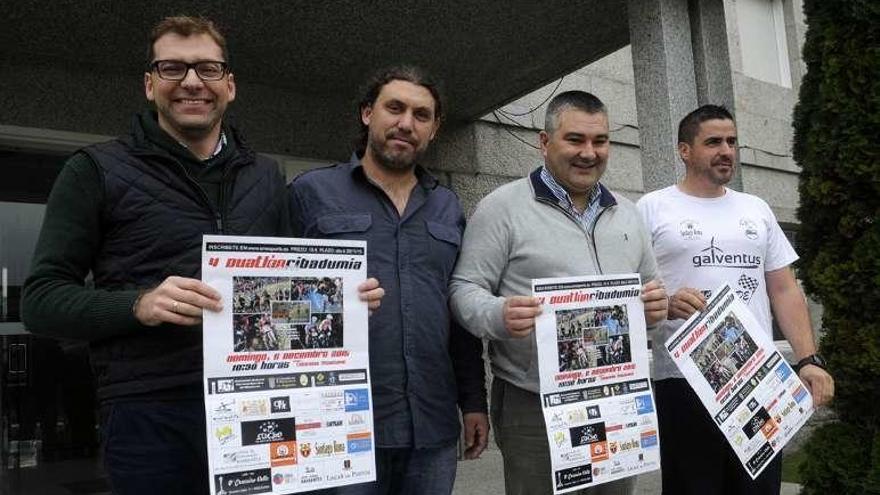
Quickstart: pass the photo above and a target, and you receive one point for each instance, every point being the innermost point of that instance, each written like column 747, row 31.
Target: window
column 763, row 41
column 47, row 398
column 28, row 178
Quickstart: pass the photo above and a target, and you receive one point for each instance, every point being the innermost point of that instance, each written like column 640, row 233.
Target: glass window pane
column 762, row 40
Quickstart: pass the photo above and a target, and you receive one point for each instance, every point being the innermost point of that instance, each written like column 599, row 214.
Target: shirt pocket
column 444, row 242
column 344, row 225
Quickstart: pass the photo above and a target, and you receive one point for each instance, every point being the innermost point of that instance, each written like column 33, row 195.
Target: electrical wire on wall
column 539, row 105
column 771, row 153
column 512, row 134
column 510, row 115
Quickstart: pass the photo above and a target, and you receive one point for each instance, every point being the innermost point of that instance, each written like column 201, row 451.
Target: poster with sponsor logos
column 757, row 400
column 287, row 383
column 595, row 380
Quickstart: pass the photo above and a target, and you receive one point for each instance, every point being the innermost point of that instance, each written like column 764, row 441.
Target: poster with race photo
column 755, row 397
column 595, row 383
column 287, row 383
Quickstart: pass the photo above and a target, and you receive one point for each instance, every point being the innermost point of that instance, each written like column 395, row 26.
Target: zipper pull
column 219, row 221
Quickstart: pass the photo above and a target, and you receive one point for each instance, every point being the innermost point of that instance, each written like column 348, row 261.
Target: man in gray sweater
column 559, row 221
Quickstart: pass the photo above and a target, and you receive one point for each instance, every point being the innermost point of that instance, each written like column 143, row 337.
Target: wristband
column 814, row 359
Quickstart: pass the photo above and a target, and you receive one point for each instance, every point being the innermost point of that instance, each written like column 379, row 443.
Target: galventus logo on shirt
column 715, row 257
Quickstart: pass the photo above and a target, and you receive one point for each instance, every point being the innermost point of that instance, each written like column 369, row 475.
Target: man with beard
column 421, row 363
column 560, row 221
column 691, row 221
column 132, row 211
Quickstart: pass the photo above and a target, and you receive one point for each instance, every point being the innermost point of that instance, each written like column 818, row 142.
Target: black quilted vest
column 152, row 224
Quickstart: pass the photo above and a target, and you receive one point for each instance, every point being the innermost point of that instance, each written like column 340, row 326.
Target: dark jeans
column 155, row 447
column 408, row 471
column 694, row 455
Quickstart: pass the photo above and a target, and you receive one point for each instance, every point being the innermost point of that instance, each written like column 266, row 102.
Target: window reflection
column 47, row 396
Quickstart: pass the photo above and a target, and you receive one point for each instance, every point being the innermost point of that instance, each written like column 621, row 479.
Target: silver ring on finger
column 174, row 306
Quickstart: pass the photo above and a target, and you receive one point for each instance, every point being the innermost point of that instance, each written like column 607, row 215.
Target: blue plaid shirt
column 588, row 217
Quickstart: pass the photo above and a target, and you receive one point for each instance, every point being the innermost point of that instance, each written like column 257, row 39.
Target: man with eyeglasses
column 132, row 212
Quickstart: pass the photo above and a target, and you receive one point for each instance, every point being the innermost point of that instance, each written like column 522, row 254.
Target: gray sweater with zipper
column 519, row 232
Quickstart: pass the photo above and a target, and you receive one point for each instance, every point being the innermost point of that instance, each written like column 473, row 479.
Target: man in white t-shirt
column 703, row 235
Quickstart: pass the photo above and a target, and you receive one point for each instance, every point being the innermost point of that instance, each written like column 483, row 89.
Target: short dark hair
column 578, row 100
column 689, row 126
column 185, row 25
column 374, row 85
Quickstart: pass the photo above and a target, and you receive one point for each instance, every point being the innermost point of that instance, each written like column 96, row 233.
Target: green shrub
column 838, row 460
column 837, row 128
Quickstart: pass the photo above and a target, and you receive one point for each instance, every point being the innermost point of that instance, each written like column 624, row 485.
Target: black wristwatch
column 814, row 359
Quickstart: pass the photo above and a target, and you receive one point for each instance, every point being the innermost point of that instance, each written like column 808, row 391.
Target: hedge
column 837, row 130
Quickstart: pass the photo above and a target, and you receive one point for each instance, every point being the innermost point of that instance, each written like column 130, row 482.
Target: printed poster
column 286, row 365
column 596, row 389
column 757, row 400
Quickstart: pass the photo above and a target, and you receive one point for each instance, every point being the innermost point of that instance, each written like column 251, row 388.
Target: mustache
column 399, row 135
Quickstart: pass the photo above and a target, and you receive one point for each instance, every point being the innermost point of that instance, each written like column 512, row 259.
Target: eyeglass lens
column 176, row 71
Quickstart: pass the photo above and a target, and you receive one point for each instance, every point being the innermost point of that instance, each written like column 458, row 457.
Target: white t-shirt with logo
column 705, row 242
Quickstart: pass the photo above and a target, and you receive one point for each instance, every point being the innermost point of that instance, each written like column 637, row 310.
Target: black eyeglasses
column 176, row 70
